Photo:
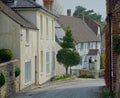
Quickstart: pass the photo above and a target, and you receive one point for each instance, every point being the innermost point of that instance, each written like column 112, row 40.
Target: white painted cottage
column 87, row 40
column 19, row 35
column 28, row 29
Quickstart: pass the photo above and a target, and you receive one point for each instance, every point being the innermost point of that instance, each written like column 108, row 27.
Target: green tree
column 68, row 55
column 68, row 58
column 90, row 13
column 68, row 41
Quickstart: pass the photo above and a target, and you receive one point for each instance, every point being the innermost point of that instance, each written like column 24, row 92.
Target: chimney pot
column 68, row 12
column 48, row 4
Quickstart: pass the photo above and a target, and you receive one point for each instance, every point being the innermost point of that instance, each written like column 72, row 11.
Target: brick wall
column 12, row 84
column 115, row 57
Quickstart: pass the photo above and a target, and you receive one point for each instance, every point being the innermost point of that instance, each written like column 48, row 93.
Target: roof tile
column 81, row 31
column 17, row 18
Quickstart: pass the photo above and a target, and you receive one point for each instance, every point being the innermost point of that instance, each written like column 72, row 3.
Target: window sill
column 27, row 44
column 28, row 83
column 49, row 74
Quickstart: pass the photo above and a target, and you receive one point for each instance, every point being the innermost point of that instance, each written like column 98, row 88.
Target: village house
column 86, row 39
column 112, row 71
column 28, row 29
column 20, row 36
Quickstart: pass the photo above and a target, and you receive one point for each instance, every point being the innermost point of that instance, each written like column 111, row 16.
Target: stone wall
column 95, row 73
column 12, row 84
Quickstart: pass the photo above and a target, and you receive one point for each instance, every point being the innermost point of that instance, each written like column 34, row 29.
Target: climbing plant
column 17, row 71
column 116, row 44
column 2, row 79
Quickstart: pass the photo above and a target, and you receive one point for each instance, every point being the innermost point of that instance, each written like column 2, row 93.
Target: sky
column 99, row 6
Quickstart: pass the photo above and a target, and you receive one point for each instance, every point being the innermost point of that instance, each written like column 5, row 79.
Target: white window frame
column 53, row 61
column 48, row 61
column 28, row 73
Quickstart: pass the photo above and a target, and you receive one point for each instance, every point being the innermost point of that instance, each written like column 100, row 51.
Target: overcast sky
column 97, row 5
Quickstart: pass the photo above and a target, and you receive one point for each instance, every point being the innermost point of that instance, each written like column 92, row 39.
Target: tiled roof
column 91, row 23
column 14, row 16
column 22, row 3
column 81, row 31
column 93, row 52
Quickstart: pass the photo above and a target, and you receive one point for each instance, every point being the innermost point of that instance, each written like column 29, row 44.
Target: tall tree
column 90, row 13
column 68, row 41
column 68, row 56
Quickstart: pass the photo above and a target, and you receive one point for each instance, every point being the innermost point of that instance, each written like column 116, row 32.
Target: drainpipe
column 110, row 46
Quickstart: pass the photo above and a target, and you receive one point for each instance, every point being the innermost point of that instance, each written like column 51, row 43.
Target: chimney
column 68, row 12
column 48, row 4
column 81, row 16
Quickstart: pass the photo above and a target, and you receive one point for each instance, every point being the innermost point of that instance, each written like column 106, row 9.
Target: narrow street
column 80, row 88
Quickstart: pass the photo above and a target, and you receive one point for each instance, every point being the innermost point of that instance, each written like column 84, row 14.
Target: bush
column 5, row 55
column 61, row 77
column 102, row 61
column 86, row 76
column 17, row 71
column 107, row 94
column 2, row 79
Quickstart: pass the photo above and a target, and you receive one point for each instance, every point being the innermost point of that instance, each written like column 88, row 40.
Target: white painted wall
column 13, row 36
column 45, row 39
column 28, row 51
column 83, row 49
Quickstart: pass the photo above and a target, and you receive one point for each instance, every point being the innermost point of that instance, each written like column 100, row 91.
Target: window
column 47, row 27
column 88, row 45
column 81, row 46
column 53, row 61
column 85, row 60
column 41, row 61
column 41, row 24
column 91, row 45
column 81, row 60
column 53, row 30
column 96, row 45
column 27, row 71
column 47, row 62
column 27, row 35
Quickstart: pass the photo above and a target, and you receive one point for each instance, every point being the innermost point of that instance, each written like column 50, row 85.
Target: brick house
column 114, row 8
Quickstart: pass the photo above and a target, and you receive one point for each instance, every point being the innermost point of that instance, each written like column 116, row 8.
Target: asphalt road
column 80, row 88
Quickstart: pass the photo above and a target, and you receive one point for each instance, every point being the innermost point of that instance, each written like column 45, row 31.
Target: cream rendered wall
column 45, row 42
column 9, row 35
column 12, row 36
column 42, row 19
column 28, row 51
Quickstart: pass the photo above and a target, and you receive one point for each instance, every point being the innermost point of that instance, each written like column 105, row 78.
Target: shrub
column 2, row 79
column 116, row 44
column 102, row 61
column 107, row 94
column 61, row 77
column 86, row 76
column 17, row 71
column 5, row 55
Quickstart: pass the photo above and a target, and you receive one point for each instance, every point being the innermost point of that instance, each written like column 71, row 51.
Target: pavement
column 77, row 88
